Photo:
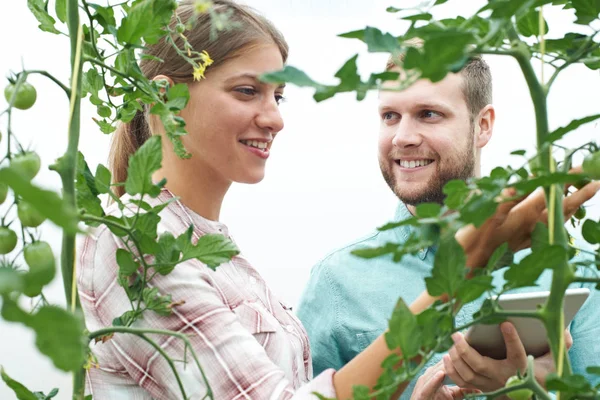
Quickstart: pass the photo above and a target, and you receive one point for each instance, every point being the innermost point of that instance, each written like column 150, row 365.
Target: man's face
column 426, row 139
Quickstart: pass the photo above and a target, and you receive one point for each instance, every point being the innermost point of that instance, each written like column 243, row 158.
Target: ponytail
column 127, row 139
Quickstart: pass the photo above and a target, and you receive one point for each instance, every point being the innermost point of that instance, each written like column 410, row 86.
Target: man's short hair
column 477, row 78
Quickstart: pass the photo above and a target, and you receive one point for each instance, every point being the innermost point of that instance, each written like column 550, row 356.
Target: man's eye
column 430, row 114
column 388, row 116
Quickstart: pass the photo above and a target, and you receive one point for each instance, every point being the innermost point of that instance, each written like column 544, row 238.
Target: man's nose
column 406, row 134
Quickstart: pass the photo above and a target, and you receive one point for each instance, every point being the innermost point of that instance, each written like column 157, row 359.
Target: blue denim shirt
column 348, row 301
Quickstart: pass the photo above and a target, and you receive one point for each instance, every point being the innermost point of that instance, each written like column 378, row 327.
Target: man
column 430, row 134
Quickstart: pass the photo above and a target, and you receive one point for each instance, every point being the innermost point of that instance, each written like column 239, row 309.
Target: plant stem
column 53, row 79
column 67, row 174
column 138, row 332
column 562, row 276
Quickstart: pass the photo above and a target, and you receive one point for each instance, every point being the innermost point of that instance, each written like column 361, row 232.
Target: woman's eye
column 246, row 90
column 279, row 98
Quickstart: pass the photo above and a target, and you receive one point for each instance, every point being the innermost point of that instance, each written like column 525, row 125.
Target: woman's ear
column 484, row 126
column 164, row 81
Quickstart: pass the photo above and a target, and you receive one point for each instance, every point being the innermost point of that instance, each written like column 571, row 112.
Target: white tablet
column 488, row 340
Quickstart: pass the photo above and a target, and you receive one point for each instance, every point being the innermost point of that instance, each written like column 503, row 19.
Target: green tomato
column 521, row 394
column 580, row 213
column 28, row 215
column 3, row 192
column 27, row 164
column 25, row 96
column 8, row 240
column 591, row 165
column 42, row 267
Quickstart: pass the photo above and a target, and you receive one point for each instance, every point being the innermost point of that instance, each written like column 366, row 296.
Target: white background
column 323, row 186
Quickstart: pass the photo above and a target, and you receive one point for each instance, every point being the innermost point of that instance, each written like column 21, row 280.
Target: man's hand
column 514, row 221
column 429, row 386
column 469, row 369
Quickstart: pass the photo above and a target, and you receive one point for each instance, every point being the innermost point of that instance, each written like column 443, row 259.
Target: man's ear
column 484, row 126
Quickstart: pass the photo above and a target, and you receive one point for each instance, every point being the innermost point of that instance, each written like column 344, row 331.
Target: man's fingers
column 575, row 200
column 431, row 385
column 515, row 351
column 475, row 361
column 568, row 339
column 458, row 393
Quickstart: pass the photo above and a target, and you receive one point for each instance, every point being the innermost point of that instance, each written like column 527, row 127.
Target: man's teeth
column 414, row 163
column 255, row 143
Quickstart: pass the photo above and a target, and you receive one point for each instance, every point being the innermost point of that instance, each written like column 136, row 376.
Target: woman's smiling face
column 232, row 117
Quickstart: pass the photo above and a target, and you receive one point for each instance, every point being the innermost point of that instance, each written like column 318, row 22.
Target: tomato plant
column 520, row 394
column 105, row 70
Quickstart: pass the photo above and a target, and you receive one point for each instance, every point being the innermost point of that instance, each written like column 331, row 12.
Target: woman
column 250, row 344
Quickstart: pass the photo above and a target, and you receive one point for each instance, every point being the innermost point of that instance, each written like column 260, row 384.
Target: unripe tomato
column 27, row 164
column 580, row 213
column 591, row 165
column 42, row 267
column 25, row 96
column 521, row 394
column 3, row 192
column 8, row 240
column 28, row 215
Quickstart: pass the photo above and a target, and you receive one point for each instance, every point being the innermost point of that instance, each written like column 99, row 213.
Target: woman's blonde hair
column 249, row 29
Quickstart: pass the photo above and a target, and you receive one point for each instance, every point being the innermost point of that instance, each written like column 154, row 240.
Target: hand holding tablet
column 488, row 340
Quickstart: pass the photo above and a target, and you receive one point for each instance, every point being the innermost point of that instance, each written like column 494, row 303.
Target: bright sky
column 323, row 186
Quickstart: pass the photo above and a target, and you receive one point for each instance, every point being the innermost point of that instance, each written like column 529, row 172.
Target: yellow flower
column 205, row 58
column 199, row 72
column 202, row 6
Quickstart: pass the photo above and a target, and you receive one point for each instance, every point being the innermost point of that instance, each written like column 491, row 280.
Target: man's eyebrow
column 253, row 77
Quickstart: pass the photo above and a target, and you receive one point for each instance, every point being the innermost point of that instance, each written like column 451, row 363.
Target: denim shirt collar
column 402, row 233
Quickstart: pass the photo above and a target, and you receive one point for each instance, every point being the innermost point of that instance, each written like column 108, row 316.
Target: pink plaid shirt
column 248, row 342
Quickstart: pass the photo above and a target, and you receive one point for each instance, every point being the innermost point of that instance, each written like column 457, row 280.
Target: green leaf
column 105, row 127
column 473, row 288
column 20, row 390
column 137, row 26
column 505, row 9
column 576, row 123
column 456, row 192
column 568, row 384
column 167, row 255
column 292, row 75
column 373, row 252
column 586, row 10
column 448, row 268
column 593, row 370
column 419, row 17
column 127, row 265
column 38, row 9
column 178, row 96
column 591, row 231
column 478, row 209
column 529, row 24
column 102, row 179
column 540, row 237
column 86, row 190
column 527, row 272
column 429, row 210
column 61, row 10
column 161, row 305
column 146, row 160
column 60, row 336
column 497, row 256
column 376, row 40
column 47, row 203
column 212, row 249
column 403, row 333
column 518, row 152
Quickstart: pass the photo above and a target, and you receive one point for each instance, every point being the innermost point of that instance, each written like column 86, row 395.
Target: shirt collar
column 402, row 233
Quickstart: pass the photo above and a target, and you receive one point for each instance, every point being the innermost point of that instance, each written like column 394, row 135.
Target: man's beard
column 462, row 167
